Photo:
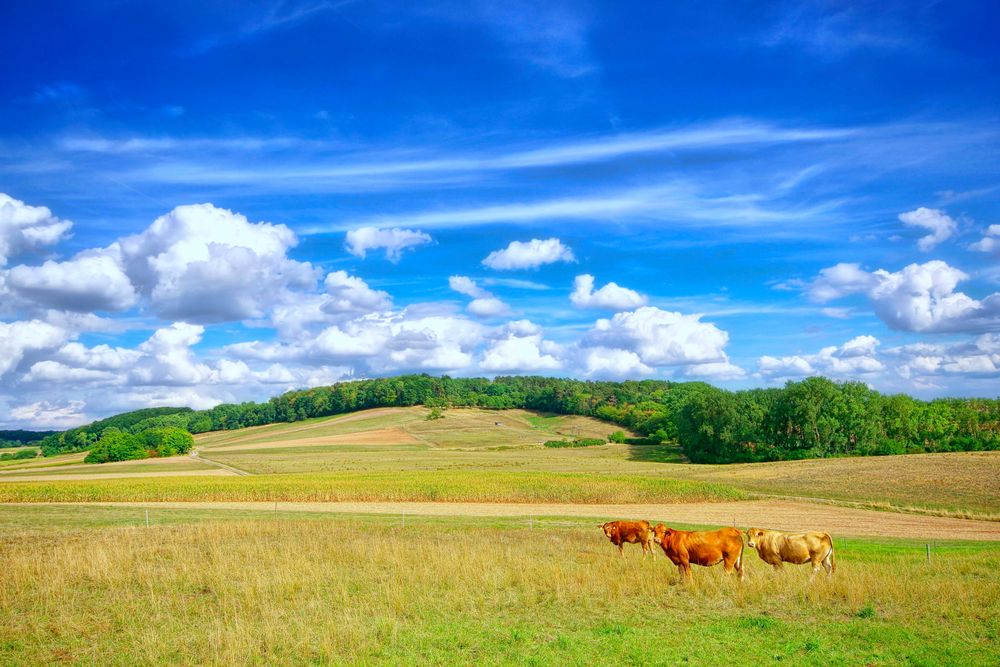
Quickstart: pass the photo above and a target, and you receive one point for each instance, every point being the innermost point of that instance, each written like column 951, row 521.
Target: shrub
column 618, row 437
column 579, row 442
column 167, row 441
column 26, row 454
column 117, row 445
column 435, row 413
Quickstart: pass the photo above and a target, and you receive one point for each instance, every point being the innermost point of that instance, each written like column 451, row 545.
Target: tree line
column 812, row 418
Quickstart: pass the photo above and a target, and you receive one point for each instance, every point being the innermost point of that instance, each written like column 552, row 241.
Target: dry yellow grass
column 965, row 483
column 341, row 592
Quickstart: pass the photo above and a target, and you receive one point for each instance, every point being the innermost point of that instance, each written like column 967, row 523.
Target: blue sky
column 217, row 201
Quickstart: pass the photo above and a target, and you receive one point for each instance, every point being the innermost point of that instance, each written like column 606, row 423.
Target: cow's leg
column 777, row 566
column 828, row 562
column 621, row 549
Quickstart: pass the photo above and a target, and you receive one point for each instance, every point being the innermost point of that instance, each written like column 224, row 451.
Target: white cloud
column 348, row 294
column 467, row 286
column 838, row 281
column 19, row 338
column 394, row 241
column 168, row 358
column 611, row 296
column 488, row 307
column 720, row 371
column 49, row 415
column 837, row 313
column 920, row 362
column 661, row 338
column 24, row 227
column 529, row 255
column 606, row 362
column 919, row 297
column 200, row 263
column 484, row 303
column 89, row 282
column 938, row 223
column 990, row 241
column 520, row 348
column 854, row 359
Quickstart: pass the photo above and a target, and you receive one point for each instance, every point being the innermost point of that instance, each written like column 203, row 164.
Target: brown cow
column 620, row 532
column 775, row 548
column 708, row 547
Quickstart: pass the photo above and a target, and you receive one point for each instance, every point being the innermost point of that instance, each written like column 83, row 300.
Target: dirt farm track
column 776, row 514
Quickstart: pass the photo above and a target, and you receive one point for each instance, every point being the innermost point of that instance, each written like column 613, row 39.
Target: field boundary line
column 885, row 507
column 235, row 471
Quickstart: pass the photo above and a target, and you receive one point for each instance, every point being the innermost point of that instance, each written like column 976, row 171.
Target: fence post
column 530, row 522
column 404, row 519
column 147, row 518
column 928, row 552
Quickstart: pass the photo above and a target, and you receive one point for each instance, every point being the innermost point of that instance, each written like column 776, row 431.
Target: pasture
column 382, row 537
column 321, row 589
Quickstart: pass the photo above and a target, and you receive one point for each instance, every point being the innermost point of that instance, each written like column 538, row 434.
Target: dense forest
column 21, row 438
column 809, row 419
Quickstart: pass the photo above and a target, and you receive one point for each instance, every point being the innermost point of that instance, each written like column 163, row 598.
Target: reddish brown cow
column 620, row 532
column 708, row 547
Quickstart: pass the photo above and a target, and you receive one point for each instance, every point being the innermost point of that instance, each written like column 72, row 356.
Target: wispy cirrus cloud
column 679, row 203
column 277, row 15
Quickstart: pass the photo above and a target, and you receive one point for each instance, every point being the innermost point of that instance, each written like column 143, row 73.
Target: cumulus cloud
column 87, row 283
column 49, row 415
column 838, row 281
column 978, row 358
column 611, row 296
column 467, row 286
column 520, row 347
column 938, row 223
column 200, row 263
column 721, row 371
column 660, row 337
column 648, row 339
column 168, row 359
column 919, row 297
column 24, row 227
column 990, row 241
column 484, row 303
column 19, row 338
column 529, row 255
column 349, row 294
column 394, row 241
column 854, row 359
column 606, row 362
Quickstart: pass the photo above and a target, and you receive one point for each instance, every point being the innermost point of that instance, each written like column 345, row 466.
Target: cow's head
column 753, row 535
column 609, row 529
column 661, row 533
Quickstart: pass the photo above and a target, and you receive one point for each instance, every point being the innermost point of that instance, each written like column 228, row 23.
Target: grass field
column 363, row 591
column 227, row 585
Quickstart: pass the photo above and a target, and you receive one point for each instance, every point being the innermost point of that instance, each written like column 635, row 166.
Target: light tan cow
column 776, row 548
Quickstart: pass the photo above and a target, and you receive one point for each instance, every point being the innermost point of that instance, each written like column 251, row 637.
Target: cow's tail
column 739, row 560
column 830, row 555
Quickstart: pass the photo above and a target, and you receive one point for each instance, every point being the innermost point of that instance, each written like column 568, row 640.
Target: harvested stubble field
column 344, row 591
